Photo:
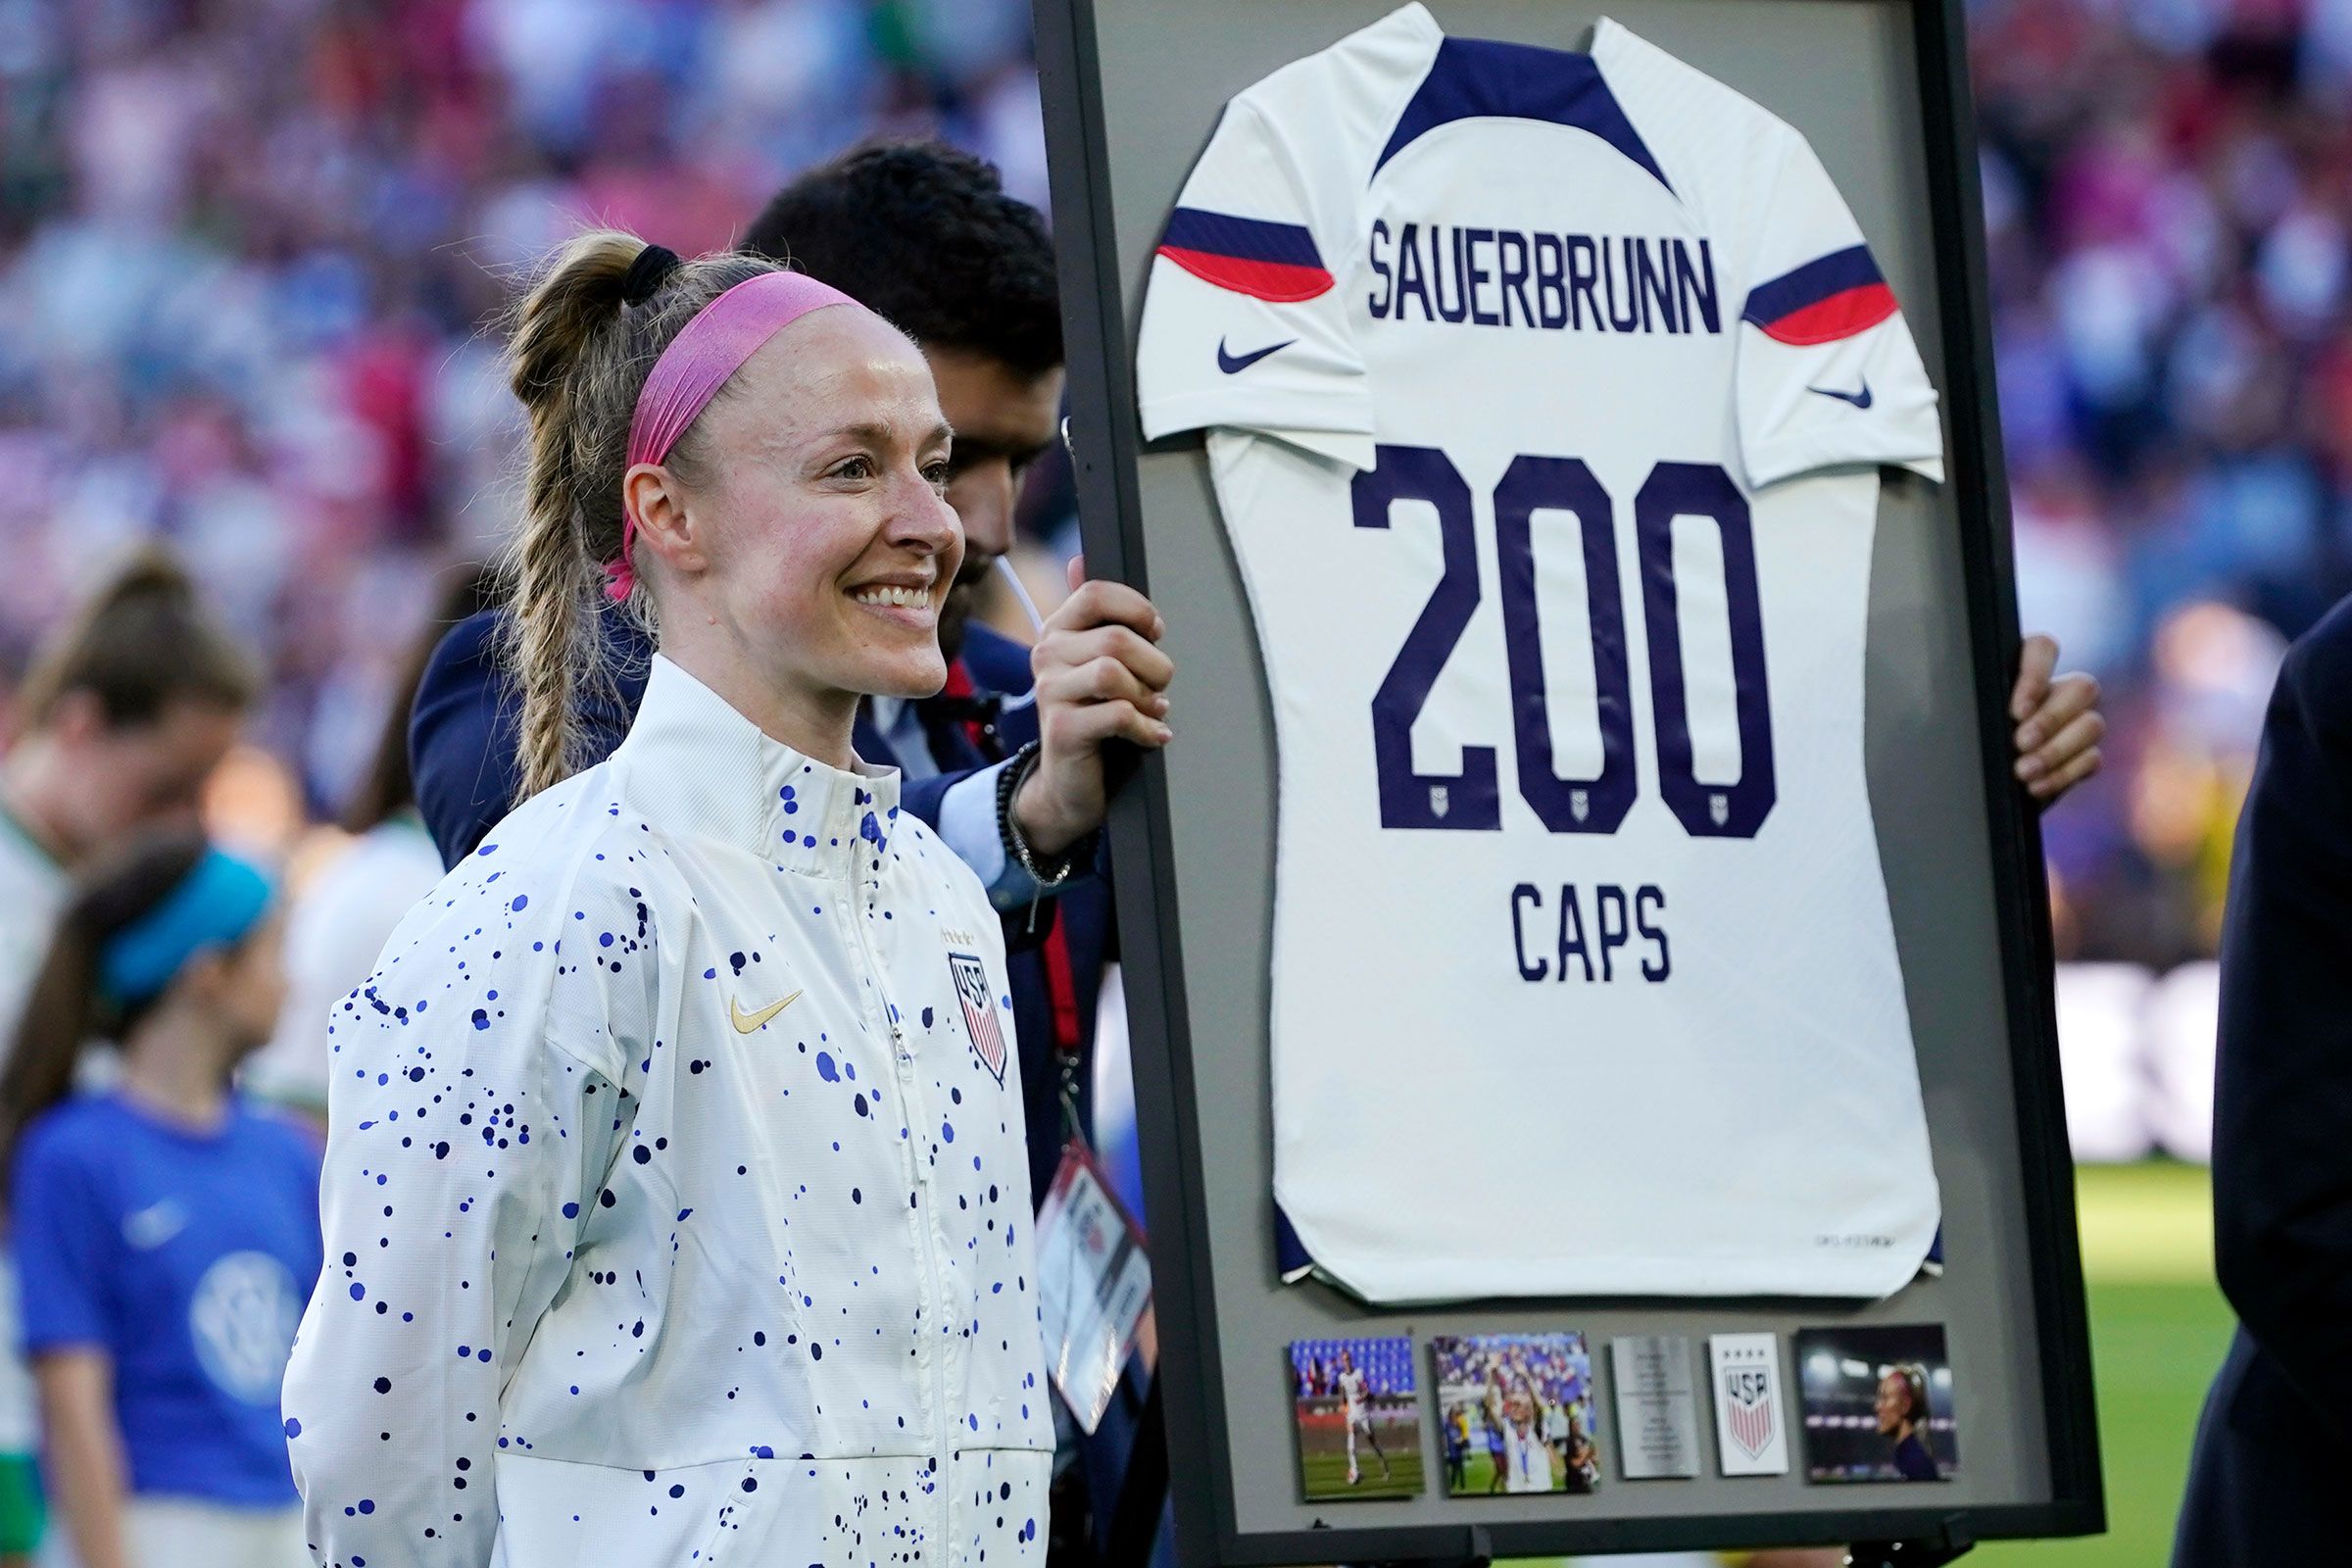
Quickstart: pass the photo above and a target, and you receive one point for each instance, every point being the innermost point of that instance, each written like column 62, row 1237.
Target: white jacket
column 676, row 1206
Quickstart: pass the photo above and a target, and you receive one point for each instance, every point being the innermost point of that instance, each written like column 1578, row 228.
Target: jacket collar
column 695, row 766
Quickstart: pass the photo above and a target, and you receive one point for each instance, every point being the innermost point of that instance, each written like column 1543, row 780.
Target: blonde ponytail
column 578, row 356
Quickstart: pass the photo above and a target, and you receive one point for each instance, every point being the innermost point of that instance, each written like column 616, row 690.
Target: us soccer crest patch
column 1749, row 1394
column 979, row 1011
column 1749, row 1431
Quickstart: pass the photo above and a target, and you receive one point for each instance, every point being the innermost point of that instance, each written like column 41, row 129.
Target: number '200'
column 1469, row 800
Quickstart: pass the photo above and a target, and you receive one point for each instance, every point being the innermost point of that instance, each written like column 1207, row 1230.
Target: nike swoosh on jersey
column 1860, row 400
column 1232, row 363
column 745, row 1022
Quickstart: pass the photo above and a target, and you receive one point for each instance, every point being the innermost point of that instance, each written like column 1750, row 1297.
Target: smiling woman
column 677, row 1129
column 837, row 458
column 808, row 569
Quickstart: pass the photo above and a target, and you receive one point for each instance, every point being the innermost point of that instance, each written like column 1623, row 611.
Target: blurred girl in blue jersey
column 165, row 1233
column 125, row 707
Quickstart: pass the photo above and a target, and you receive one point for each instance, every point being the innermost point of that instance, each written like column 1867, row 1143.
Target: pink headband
column 698, row 362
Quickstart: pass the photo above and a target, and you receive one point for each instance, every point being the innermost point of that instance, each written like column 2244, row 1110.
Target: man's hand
column 2058, row 722
column 1100, row 676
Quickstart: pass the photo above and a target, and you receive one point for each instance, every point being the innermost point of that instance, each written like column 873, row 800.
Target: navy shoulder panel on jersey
column 1474, row 79
column 1278, row 262
column 1833, row 296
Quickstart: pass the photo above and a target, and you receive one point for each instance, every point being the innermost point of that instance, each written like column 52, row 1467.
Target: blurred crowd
column 253, row 248
column 2167, row 185
column 1552, row 1367
column 1387, row 1367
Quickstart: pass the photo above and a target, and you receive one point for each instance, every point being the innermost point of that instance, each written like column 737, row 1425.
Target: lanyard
column 1069, row 1056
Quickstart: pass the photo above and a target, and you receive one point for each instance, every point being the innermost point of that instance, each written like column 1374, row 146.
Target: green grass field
column 1478, row 1474
column 1327, row 1475
column 2158, row 1328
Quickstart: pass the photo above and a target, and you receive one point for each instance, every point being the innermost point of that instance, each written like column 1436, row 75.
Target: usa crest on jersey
column 979, row 1011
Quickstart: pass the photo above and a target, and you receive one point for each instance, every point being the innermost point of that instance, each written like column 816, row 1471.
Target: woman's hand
column 1100, row 676
column 2058, row 722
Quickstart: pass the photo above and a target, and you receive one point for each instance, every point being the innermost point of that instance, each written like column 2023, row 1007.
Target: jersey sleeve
column 477, row 1109
column 1244, row 325
column 1828, row 373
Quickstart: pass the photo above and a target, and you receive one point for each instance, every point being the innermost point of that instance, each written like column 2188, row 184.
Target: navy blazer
column 2275, row 1442
column 462, row 751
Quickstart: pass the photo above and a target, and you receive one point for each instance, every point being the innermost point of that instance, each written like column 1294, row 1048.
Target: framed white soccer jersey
column 1547, row 394
column 1589, row 875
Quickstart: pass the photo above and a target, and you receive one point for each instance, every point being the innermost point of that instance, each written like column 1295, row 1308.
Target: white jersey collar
column 693, row 764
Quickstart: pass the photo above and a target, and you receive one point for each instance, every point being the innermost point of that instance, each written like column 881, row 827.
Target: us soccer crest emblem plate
column 1750, row 1394
column 1748, row 1429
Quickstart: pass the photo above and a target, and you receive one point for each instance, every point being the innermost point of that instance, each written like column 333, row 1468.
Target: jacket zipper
column 934, row 1288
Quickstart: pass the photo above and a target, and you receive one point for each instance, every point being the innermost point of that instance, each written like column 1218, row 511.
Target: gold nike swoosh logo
column 745, row 1022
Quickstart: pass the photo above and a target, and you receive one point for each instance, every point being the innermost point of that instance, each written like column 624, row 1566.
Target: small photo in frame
column 1515, row 1413
column 1358, row 1415
column 1878, row 1404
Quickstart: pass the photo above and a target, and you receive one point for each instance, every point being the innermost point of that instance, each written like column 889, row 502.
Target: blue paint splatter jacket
column 676, row 1206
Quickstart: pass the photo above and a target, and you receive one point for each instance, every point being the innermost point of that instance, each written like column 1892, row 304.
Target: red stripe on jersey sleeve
column 1842, row 315
column 1277, row 283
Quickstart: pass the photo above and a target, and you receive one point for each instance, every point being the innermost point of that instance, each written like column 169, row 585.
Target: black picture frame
column 1106, row 439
